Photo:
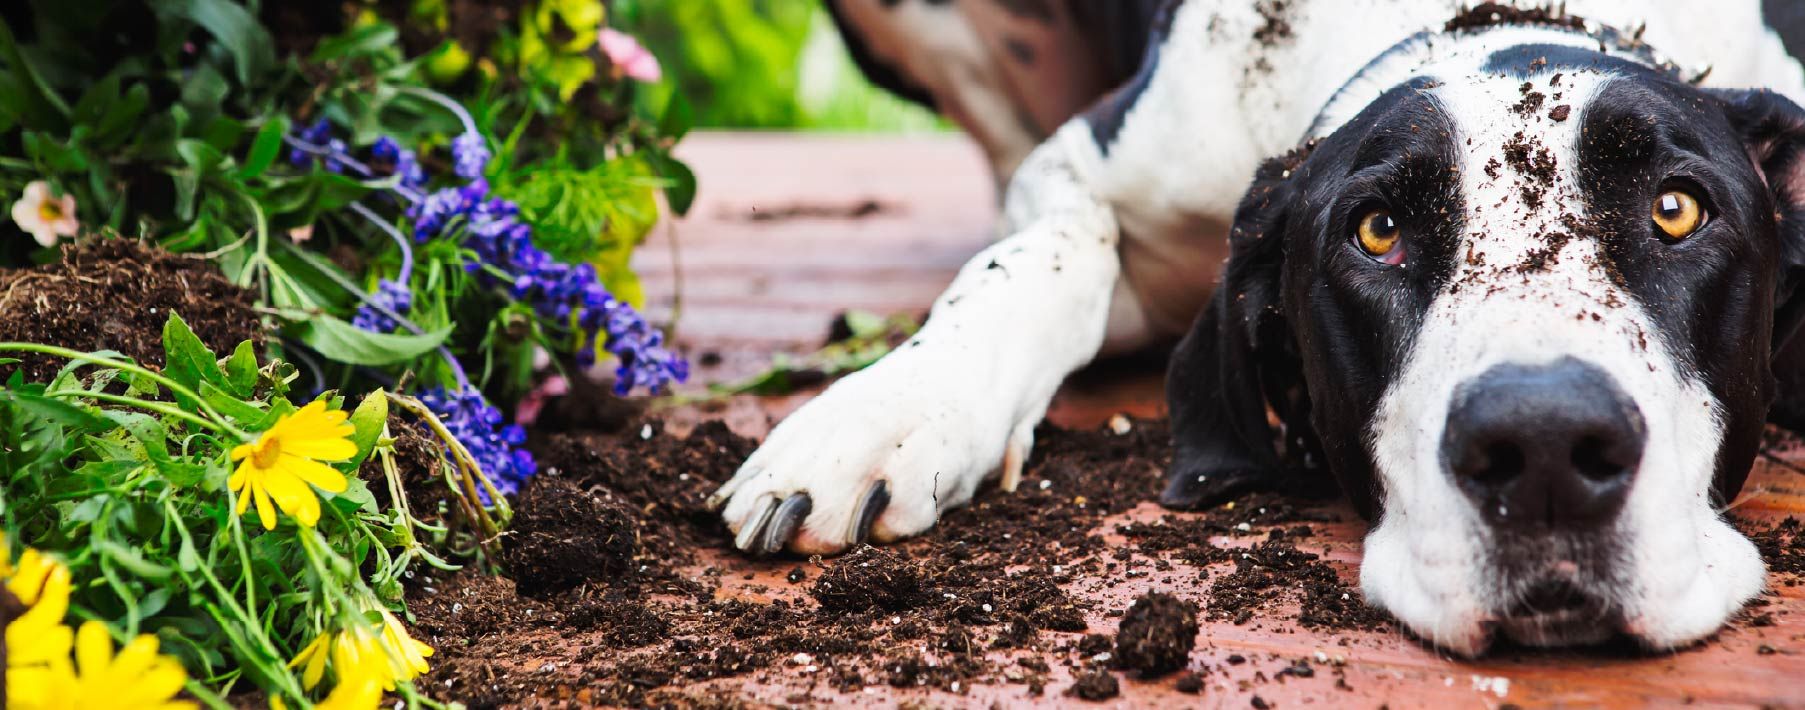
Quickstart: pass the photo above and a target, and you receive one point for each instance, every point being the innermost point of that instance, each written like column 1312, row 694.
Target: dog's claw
column 872, row 505
column 755, row 525
column 788, row 516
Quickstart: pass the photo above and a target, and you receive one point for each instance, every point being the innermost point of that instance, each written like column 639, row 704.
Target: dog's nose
column 1546, row 445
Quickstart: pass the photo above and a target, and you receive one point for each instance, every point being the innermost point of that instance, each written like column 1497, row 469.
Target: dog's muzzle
column 1544, row 449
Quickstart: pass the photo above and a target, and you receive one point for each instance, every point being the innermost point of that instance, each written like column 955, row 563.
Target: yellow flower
column 403, row 648
column 38, row 636
column 361, row 691
column 388, row 654
column 138, row 677
column 281, row 462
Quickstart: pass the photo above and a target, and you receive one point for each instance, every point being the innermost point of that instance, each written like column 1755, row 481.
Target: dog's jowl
column 1522, row 280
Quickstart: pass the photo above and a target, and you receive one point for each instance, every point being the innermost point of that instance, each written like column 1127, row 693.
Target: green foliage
column 597, row 215
column 131, row 490
column 762, row 64
column 869, row 337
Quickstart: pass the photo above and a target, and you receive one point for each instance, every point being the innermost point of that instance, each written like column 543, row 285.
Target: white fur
column 1683, row 569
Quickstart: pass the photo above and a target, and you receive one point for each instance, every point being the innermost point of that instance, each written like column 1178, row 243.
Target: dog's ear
column 1237, row 357
column 1773, row 131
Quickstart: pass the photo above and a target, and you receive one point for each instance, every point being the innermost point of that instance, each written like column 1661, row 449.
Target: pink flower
column 628, row 56
column 527, row 410
column 301, row 234
column 43, row 216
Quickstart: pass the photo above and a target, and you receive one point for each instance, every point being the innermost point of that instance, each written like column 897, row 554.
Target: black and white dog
column 1524, row 289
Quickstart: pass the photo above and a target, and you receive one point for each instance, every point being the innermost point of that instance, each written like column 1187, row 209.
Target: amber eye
column 1378, row 234
column 1678, row 214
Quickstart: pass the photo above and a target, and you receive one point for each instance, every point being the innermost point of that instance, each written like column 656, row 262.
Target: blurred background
column 763, row 64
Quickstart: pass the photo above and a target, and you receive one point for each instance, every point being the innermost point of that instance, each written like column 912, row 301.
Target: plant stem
column 220, row 421
column 407, row 250
column 158, row 407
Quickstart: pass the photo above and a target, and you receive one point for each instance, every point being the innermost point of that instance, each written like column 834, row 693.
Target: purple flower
column 470, row 154
column 317, row 134
column 478, row 426
column 392, row 295
column 335, row 155
column 388, row 156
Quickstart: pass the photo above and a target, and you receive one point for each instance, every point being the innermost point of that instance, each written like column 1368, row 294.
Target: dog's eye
column 1678, row 214
column 1378, row 235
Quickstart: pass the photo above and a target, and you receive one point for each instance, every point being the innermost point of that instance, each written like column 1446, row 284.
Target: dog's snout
column 1547, row 445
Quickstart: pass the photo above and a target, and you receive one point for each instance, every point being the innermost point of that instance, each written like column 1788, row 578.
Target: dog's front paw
column 876, row 457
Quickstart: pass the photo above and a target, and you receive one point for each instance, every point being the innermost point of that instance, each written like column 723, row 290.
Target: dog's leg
column 881, row 453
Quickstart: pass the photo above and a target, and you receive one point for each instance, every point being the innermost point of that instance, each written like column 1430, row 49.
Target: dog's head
column 1526, row 315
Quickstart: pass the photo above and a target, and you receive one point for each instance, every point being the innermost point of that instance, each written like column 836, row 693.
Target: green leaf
column 372, row 413
column 682, row 191
column 368, row 39
column 189, row 360
column 252, row 49
column 27, row 96
column 264, row 148
column 678, row 118
column 241, row 370
column 51, row 409
column 346, row 343
column 199, row 155
column 238, row 409
column 121, row 117
column 133, row 561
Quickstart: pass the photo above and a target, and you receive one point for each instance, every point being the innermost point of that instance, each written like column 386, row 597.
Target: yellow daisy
column 38, row 636
column 386, row 655
column 361, row 691
column 138, row 677
column 284, row 460
column 409, row 654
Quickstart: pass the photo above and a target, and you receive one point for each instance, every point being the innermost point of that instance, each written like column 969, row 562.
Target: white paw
column 876, row 457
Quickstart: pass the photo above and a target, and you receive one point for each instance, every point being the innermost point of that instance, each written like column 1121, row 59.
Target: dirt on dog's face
column 1526, row 318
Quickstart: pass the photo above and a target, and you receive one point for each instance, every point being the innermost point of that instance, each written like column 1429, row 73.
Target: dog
column 1522, row 280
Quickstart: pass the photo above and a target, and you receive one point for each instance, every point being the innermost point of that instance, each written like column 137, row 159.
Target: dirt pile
column 869, row 579
column 1156, row 635
column 116, row 295
column 561, row 538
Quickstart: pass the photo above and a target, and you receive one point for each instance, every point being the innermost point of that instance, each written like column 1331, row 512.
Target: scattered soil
column 1096, row 685
column 1783, row 547
column 592, row 614
column 1492, row 14
column 1276, row 565
column 1156, row 635
column 116, row 294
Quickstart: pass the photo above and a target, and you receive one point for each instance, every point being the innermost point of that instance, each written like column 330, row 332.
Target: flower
column 478, row 426
column 388, row 155
column 405, row 653
column 360, row 656
column 138, row 677
column 361, row 690
column 527, row 410
column 284, row 460
column 469, row 155
column 301, row 234
column 317, row 134
column 37, row 637
column 43, row 216
column 394, row 296
column 629, row 57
